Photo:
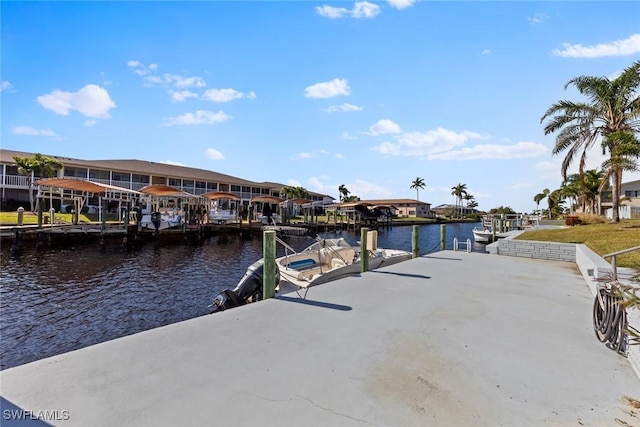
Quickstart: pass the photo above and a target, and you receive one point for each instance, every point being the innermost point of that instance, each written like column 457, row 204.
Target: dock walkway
column 448, row 339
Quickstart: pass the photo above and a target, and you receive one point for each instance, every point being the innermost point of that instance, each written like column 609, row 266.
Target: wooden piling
column 364, row 252
column 269, row 268
column 415, row 241
column 443, row 237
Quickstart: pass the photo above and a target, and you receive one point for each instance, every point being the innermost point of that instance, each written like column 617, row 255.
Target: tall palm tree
column 343, row 192
column 541, row 196
column 418, row 183
column 458, row 191
column 39, row 166
column 611, row 116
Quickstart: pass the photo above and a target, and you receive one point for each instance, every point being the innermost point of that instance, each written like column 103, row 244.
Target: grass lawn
column 11, row 218
column 602, row 238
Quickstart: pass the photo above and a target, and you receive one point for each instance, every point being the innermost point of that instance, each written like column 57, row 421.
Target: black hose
column 610, row 320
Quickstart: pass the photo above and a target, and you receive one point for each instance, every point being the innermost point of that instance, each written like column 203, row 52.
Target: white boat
column 162, row 220
column 222, row 216
column 483, row 235
column 331, row 259
column 324, row 261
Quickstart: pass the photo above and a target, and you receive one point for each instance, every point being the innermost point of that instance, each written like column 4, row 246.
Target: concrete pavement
column 449, row 339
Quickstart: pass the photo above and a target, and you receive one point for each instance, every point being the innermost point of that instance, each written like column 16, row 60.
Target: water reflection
column 58, row 300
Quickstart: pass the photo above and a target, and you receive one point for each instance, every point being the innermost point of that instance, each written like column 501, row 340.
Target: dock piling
column 415, row 241
column 364, row 252
column 269, row 268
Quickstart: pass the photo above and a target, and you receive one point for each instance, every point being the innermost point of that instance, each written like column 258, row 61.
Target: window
column 98, row 174
column 235, row 188
column 143, row 179
column 212, row 186
column 75, row 173
column 175, row 182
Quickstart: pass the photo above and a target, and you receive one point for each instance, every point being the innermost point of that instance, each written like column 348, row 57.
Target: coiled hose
column 610, row 319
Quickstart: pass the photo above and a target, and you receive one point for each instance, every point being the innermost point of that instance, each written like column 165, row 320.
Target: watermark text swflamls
column 42, row 415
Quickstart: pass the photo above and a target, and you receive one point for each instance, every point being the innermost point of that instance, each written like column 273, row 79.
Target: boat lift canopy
column 81, row 189
column 216, row 195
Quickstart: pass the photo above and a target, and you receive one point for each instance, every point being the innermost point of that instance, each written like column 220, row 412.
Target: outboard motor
column 249, row 289
column 156, row 218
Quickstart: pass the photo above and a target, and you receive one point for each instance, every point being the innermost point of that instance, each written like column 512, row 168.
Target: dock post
column 443, row 237
column 20, row 216
column 364, row 252
column 269, row 268
column 415, row 241
column 40, row 213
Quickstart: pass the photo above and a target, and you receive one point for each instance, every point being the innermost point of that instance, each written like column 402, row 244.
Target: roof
column 266, row 199
column 82, row 185
column 164, row 190
column 215, row 195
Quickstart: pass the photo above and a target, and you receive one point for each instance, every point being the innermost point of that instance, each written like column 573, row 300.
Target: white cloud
column 343, row 108
column 149, row 76
column 5, row 85
column 339, row 156
column 303, row 155
column 140, row 69
column 347, row 136
column 329, row 89
column 401, row 4
column 628, row 46
column 331, row 12
column 361, row 9
column 28, row 130
column 486, row 51
column 213, row 154
column 89, row 123
column 175, row 80
column 91, row 101
column 364, row 9
column 426, row 143
column 200, row 117
column 384, row 126
column 492, row 151
column 226, row 95
column 181, row 95
column 538, row 18
column 367, row 190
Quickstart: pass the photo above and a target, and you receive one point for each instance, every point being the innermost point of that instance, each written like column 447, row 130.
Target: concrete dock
column 448, row 339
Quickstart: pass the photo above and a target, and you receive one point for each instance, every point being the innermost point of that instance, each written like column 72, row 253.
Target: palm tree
column 468, row 198
column 610, row 116
column 541, row 196
column 571, row 189
column 343, row 192
column 592, row 181
column 459, row 191
column 38, row 165
column 418, row 183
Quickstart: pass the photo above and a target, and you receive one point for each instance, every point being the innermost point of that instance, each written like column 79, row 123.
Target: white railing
column 16, row 181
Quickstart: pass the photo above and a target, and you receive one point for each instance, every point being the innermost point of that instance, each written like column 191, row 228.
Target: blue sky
column 370, row 95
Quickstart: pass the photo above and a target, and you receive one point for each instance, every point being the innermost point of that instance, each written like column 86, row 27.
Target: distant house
column 447, row 209
column 629, row 201
column 405, row 208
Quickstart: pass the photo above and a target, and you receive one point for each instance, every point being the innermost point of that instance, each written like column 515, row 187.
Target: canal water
column 57, row 300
